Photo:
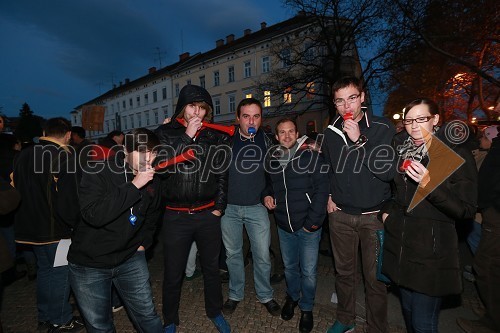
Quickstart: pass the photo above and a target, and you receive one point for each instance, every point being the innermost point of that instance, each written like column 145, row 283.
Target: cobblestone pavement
column 19, row 307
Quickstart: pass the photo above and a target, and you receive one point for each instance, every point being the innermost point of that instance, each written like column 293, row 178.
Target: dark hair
column 433, row 107
column 248, row 101
column 78, row 130
column 284, row 120
column 7, row 141
column 57, row 127
column 114, row 133
column 141, row 139
column 346, row 82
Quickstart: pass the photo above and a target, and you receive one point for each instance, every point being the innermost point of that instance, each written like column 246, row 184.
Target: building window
column 124, row 104
column 155, row 97
column 287, row 95
column 310, row 90
column 286, row 58
column 309, row 51
column 124, row 122
column 130, row 102
column 231, row 74
column 232, row 103
column 248, row 69
column 176, row 90
column 139, row 120
column 216, row 79
column 216, row 106
column 266, row 65
column 188, row 82
column 146, row 115
column 131, row 118
column 164, row 93
column 113, row 124
column 165, row 111
column 107, row 126
column 248, row 95
column 202, row 81
column 155, row 111
column 267, row 98
column 118, row 106
column 146, row 97
column 138, row 100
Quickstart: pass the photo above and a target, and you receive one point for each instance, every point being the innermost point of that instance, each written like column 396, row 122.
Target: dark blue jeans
column 52, row 287
column 92, row 288
column 421, row 312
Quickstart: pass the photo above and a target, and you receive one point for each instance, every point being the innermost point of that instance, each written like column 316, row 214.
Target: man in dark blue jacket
column 298, row 196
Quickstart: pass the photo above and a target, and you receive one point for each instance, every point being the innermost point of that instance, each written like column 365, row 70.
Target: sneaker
column 169, row 328
column 196, row 274
column 229, row 307
column 273, row 308
column 116, row 308
column 474, row 326
column 73, row 326
column 221, row 324
column 338, row 327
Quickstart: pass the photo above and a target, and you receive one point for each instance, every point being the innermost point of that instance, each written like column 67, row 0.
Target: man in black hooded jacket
column 196, row 196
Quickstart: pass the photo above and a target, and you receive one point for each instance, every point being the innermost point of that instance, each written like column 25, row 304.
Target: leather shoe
column 306, row 322
column 229, row 306
column 273, row 308
column 287, row 311
column 277, row 278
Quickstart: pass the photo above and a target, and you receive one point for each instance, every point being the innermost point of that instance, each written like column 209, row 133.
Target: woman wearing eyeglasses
column 435, row 187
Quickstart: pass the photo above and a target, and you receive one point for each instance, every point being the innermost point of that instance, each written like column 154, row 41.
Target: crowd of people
column 390, row 198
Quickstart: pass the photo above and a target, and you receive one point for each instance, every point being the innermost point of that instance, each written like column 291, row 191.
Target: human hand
column 269, row 202
column 331, row 206
column 193, row 125
column 141, row 248
column 167, row 120
column 384, row 216
column 418, row 173
column 143, row 177
column 217, row 212
column 351, row 128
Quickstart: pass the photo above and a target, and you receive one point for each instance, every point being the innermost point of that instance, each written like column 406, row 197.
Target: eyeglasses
column 409, row 121
column 351, row 99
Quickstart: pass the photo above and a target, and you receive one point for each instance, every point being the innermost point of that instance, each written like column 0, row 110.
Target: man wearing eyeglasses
column 359, row 185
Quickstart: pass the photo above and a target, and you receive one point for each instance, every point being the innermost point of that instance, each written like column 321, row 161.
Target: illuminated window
column 287, row 96
column 248, row 95
column 310, row 90
column 267, row 98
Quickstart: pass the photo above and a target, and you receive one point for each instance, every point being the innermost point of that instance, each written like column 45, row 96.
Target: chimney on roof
column 127, row 80
column 263, row 25
column 183, row 56
column 229, row 38
column 247, row 32
column 219, row 43
column 151, row 70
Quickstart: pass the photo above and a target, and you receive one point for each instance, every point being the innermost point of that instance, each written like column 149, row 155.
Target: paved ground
column 19, row 309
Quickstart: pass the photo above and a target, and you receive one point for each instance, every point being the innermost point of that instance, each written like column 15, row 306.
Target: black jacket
column 45, row 175
column 489, row 178
column 300, row 190
column 192, row 184
column 359, row 180
column 421, row 245
column 105, row 238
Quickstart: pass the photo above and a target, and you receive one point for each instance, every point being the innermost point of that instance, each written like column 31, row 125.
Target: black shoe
column 273, row 308
column 288, row 309
column 43, row 326
column 306, row 322
column 229, row 306
column 277, row 278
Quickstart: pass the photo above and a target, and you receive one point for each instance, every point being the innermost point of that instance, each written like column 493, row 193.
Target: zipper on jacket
column 308, row 198
column 286, row 201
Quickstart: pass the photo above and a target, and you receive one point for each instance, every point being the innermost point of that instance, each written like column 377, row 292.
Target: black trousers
column 179, row 231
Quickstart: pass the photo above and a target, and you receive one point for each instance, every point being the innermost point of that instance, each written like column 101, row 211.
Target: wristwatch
column 361, row 140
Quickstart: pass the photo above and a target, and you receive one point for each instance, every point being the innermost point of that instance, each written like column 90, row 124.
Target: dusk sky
column 58, row 54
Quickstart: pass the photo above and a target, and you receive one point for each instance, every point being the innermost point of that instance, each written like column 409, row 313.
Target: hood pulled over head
column 190, row 94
